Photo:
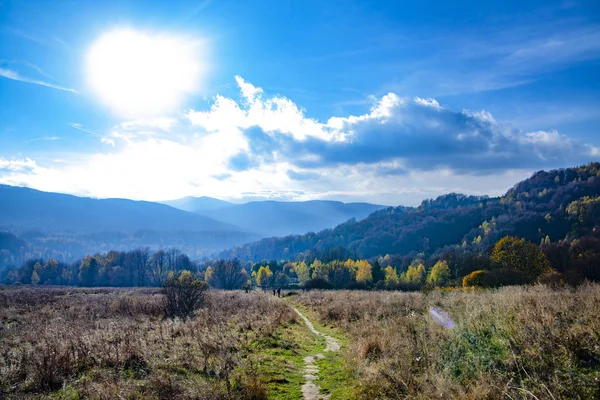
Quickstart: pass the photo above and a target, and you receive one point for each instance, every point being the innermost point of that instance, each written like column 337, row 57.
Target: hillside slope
column 552, row 204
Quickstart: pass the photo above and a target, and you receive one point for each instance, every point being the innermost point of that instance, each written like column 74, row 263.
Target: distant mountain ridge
column 34, row 209
column 198, row 204
column 65, row 226
column 277, row 218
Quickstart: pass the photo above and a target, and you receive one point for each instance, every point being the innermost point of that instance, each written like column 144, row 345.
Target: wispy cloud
column 80, row 127
column 43, row 139
column 15, row 76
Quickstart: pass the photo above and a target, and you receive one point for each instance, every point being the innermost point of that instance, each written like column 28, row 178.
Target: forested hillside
column 549, row 206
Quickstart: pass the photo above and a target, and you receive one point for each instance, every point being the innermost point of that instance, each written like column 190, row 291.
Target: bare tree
column 172, row 255
column 140, row 259
column 158, row 268
column 228, row 275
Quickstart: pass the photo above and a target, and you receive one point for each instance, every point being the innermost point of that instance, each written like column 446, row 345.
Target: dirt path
column 310, row 390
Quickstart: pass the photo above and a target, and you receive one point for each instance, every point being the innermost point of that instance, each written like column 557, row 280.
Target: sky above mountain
column 386, row 102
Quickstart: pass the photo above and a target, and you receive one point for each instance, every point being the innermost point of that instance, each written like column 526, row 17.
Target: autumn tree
column 519, row 254
column 414, row 274
column 303, row 272
column 264, row 276
column 439, row 274
column 391, row 276
column 35, row 279
column 364, row 272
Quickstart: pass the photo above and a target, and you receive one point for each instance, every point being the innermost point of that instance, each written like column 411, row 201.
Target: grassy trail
column 324, row 371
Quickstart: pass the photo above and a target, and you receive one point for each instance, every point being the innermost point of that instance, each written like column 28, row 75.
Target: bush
column 551, row 278
column 475, row 278
column 357, row 286
column 504, row 277
column 317, row 283
column 184, row 295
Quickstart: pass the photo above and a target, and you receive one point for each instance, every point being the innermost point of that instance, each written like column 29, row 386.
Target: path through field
column 310, row 390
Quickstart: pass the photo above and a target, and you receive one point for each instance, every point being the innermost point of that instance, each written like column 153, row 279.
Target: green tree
column 519, row 254
column 88, row 270
column 282, row 280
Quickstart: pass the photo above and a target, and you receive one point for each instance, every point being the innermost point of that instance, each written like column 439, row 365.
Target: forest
column 545, row 228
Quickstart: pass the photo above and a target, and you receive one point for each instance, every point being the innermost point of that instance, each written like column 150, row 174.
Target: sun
column 142, row 74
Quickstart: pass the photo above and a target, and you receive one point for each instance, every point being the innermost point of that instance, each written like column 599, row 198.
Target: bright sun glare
column 142, row 74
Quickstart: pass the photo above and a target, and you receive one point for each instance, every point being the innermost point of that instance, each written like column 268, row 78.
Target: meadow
column 509, row 343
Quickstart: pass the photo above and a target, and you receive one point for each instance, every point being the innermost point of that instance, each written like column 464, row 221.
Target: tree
column 264, row 276
column 88, row 271
column 303, row 272
column 282, row 280
column 228, row 275
column 140, row 259
column 35, row 279
column 364, row 273
column 158, row 268
column 519, row 254
column 439, row 274
column 414, row 274
column 183, row 295
column 391, row 276
column 377, row 273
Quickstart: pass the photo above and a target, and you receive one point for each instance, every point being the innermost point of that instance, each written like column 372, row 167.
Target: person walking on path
column 278, row 292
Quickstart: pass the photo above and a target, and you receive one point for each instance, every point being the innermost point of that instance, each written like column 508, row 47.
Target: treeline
column 139, row 267
column 511, row 261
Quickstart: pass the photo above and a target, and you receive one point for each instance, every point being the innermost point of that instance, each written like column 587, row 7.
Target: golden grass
column 515, row 342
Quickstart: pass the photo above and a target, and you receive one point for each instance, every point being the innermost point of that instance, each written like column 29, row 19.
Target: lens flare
column 441, row 317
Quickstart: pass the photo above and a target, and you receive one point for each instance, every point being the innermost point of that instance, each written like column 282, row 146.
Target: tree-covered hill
column 549, row 206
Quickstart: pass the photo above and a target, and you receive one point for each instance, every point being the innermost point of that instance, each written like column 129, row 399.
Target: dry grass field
column 511, row 343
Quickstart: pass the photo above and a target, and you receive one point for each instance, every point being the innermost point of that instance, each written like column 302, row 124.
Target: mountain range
column 65, row 226
column 277, row 218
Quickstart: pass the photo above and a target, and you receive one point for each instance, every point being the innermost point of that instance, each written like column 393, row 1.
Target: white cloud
column 398, row 152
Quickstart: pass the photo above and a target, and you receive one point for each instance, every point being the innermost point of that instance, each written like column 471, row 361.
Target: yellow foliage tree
column 364, row 271
column 519, row 254
column 303, row 272
column 264, row 276
column 391, row 276
column 439, row 274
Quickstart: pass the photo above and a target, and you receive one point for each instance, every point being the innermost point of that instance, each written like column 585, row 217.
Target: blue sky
column 387, row 102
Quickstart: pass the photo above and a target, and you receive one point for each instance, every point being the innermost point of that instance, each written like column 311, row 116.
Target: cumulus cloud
column 258, row 146
column 419, row 133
